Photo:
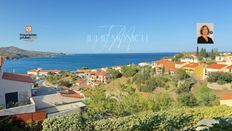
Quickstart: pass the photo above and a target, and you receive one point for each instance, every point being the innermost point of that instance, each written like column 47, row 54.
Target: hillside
column 17, row 53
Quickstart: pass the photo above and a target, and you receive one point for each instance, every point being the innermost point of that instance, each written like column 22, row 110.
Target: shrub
column 221, row 82
column 187, row 99
column 222, row 76
column 129, row 71
column 115, row 73
column 65, row 83
column 205, row 97
column 182, row 75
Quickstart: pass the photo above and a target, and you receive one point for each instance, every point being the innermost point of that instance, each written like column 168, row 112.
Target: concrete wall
column 226, row 102
column 30, row 108
column 8, row 86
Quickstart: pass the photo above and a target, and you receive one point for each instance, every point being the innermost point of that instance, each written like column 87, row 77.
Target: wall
column 226, row 102
column 19, row 109
column 8, row 86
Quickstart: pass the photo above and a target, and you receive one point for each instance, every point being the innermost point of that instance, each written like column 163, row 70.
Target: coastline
column 73, row 62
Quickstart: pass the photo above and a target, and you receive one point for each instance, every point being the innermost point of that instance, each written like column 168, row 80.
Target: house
column 163, row 66
column 215, row 68
column 82, row 72
column 192, row 58
column 41, row 72
column 102, row 76
column 225, row 58
column 118, row 68
column 81, row 82
column 190, row 67
column 179, row 64
column 197, row 70
column 229, row 69
column 66, row 101
column 226, row 100
column 15, row 89
column 104, row 69
column 144, row 64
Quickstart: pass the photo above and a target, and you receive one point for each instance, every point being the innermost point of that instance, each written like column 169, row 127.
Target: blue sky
column 67, row 25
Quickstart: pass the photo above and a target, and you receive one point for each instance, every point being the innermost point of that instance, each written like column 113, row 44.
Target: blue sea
column 74, row 62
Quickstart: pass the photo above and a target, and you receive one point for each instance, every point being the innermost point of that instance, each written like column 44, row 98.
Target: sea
column 77, row 61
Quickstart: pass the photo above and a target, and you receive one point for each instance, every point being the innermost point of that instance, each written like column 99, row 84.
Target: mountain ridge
column 13, row 52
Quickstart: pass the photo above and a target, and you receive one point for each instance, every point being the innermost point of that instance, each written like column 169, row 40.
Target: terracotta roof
column 71, row 93
column 216, row 66
column 86, row 86
column 229, row 67
column 102, row 73
column 191, row 65
column 178, row 62
column 17, row 77
column 81, row 80
column 162, row 61
column 174, row 69
column 226, row 97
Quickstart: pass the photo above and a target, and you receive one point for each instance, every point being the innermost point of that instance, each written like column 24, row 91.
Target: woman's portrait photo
column 205, row 33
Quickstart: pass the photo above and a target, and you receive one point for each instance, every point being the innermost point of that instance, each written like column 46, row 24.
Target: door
column 11, row 99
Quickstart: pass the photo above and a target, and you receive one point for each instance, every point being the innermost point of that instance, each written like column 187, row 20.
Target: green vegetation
column 115, row 73
column 177, row 57
column 64, row 78
column 169, row 119
column 205, row 97
column 187, row 99
column 17, row 53
column 220, row 77
column 14, row 124
column 147, row 81
column 129, row 71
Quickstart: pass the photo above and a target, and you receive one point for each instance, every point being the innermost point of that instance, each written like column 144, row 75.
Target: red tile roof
column 102, row 73
column 229, row 67
column 178, row 62
column 17, row 77
column 216, row 66
column 71, row 93
column 81, row 80
column 86, row 86
column 226, row 97
column 191, row 65
column 162, row 61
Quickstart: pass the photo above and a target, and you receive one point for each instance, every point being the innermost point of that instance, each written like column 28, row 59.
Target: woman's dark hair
column 203, row 28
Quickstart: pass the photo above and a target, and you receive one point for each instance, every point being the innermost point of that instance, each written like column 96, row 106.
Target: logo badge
column 28, row 35
column 28, row 29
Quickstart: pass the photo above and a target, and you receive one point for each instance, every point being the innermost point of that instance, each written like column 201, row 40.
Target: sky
column 114, row 26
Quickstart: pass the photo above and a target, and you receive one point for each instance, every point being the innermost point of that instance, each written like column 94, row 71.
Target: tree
column 182, row 75
column 213, row 53
column 65, row 83
column 129, row 71
column 115, row 73
column 205, row 97
column 177, row 57
column 187, row 99
column 184, row 86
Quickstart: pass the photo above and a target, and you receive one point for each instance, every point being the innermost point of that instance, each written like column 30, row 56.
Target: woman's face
column 205, row 31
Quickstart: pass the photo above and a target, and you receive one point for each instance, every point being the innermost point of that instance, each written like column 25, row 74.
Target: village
column 29, row 95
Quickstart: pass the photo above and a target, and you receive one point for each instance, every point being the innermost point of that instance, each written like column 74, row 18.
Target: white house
column 225, row 58
column 144, row 64
column 41, row 72
column 14, row 88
